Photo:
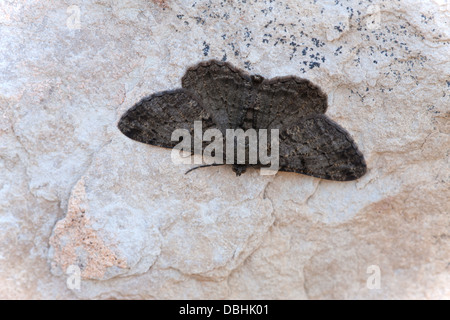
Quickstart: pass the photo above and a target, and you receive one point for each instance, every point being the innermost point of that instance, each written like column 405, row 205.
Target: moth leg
column 203, row 166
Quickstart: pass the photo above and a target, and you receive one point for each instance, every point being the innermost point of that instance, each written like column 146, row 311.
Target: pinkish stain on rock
column 74, row 237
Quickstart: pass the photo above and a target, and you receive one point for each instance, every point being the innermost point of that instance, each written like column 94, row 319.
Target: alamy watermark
column 73, row 22
column 374, row 17
column 73, row 281
column 374, row 280
column 248, row 147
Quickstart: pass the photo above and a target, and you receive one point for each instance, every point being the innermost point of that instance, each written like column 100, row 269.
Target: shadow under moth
column 224, row 97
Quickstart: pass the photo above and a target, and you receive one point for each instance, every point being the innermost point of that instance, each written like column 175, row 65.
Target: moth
column 223, row 97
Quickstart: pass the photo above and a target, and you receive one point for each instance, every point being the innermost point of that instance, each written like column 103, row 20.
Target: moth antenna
column 203, row 166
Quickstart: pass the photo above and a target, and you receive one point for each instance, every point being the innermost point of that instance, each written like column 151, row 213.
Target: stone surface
column 75, row 192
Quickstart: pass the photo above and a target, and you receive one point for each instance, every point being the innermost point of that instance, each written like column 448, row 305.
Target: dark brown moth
column 224, row 97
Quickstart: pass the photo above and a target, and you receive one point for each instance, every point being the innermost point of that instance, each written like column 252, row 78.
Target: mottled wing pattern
column 319, row 147
column 283, row 102
column 226, row 92
column 154, row 118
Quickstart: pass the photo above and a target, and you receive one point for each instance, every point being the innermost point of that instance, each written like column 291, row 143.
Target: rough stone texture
column 75, row 191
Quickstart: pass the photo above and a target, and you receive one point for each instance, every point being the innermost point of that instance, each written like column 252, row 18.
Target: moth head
column 239, row 169
column 257, row 79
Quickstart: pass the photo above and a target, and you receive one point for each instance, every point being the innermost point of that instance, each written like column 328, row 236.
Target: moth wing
column 225, row 91
column 154, row 119
column 282, row 102
column 319, row 147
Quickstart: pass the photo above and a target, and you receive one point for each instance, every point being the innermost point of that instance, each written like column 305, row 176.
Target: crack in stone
column 313, row 193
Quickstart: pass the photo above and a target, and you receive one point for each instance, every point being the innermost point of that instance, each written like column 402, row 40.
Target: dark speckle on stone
column 205, row 48
column 317, row 42
column 200, row 20
column 268, row 24
column 313, row 64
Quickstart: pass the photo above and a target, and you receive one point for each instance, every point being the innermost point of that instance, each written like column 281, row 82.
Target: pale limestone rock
column 75, row 192
column 192, row 219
